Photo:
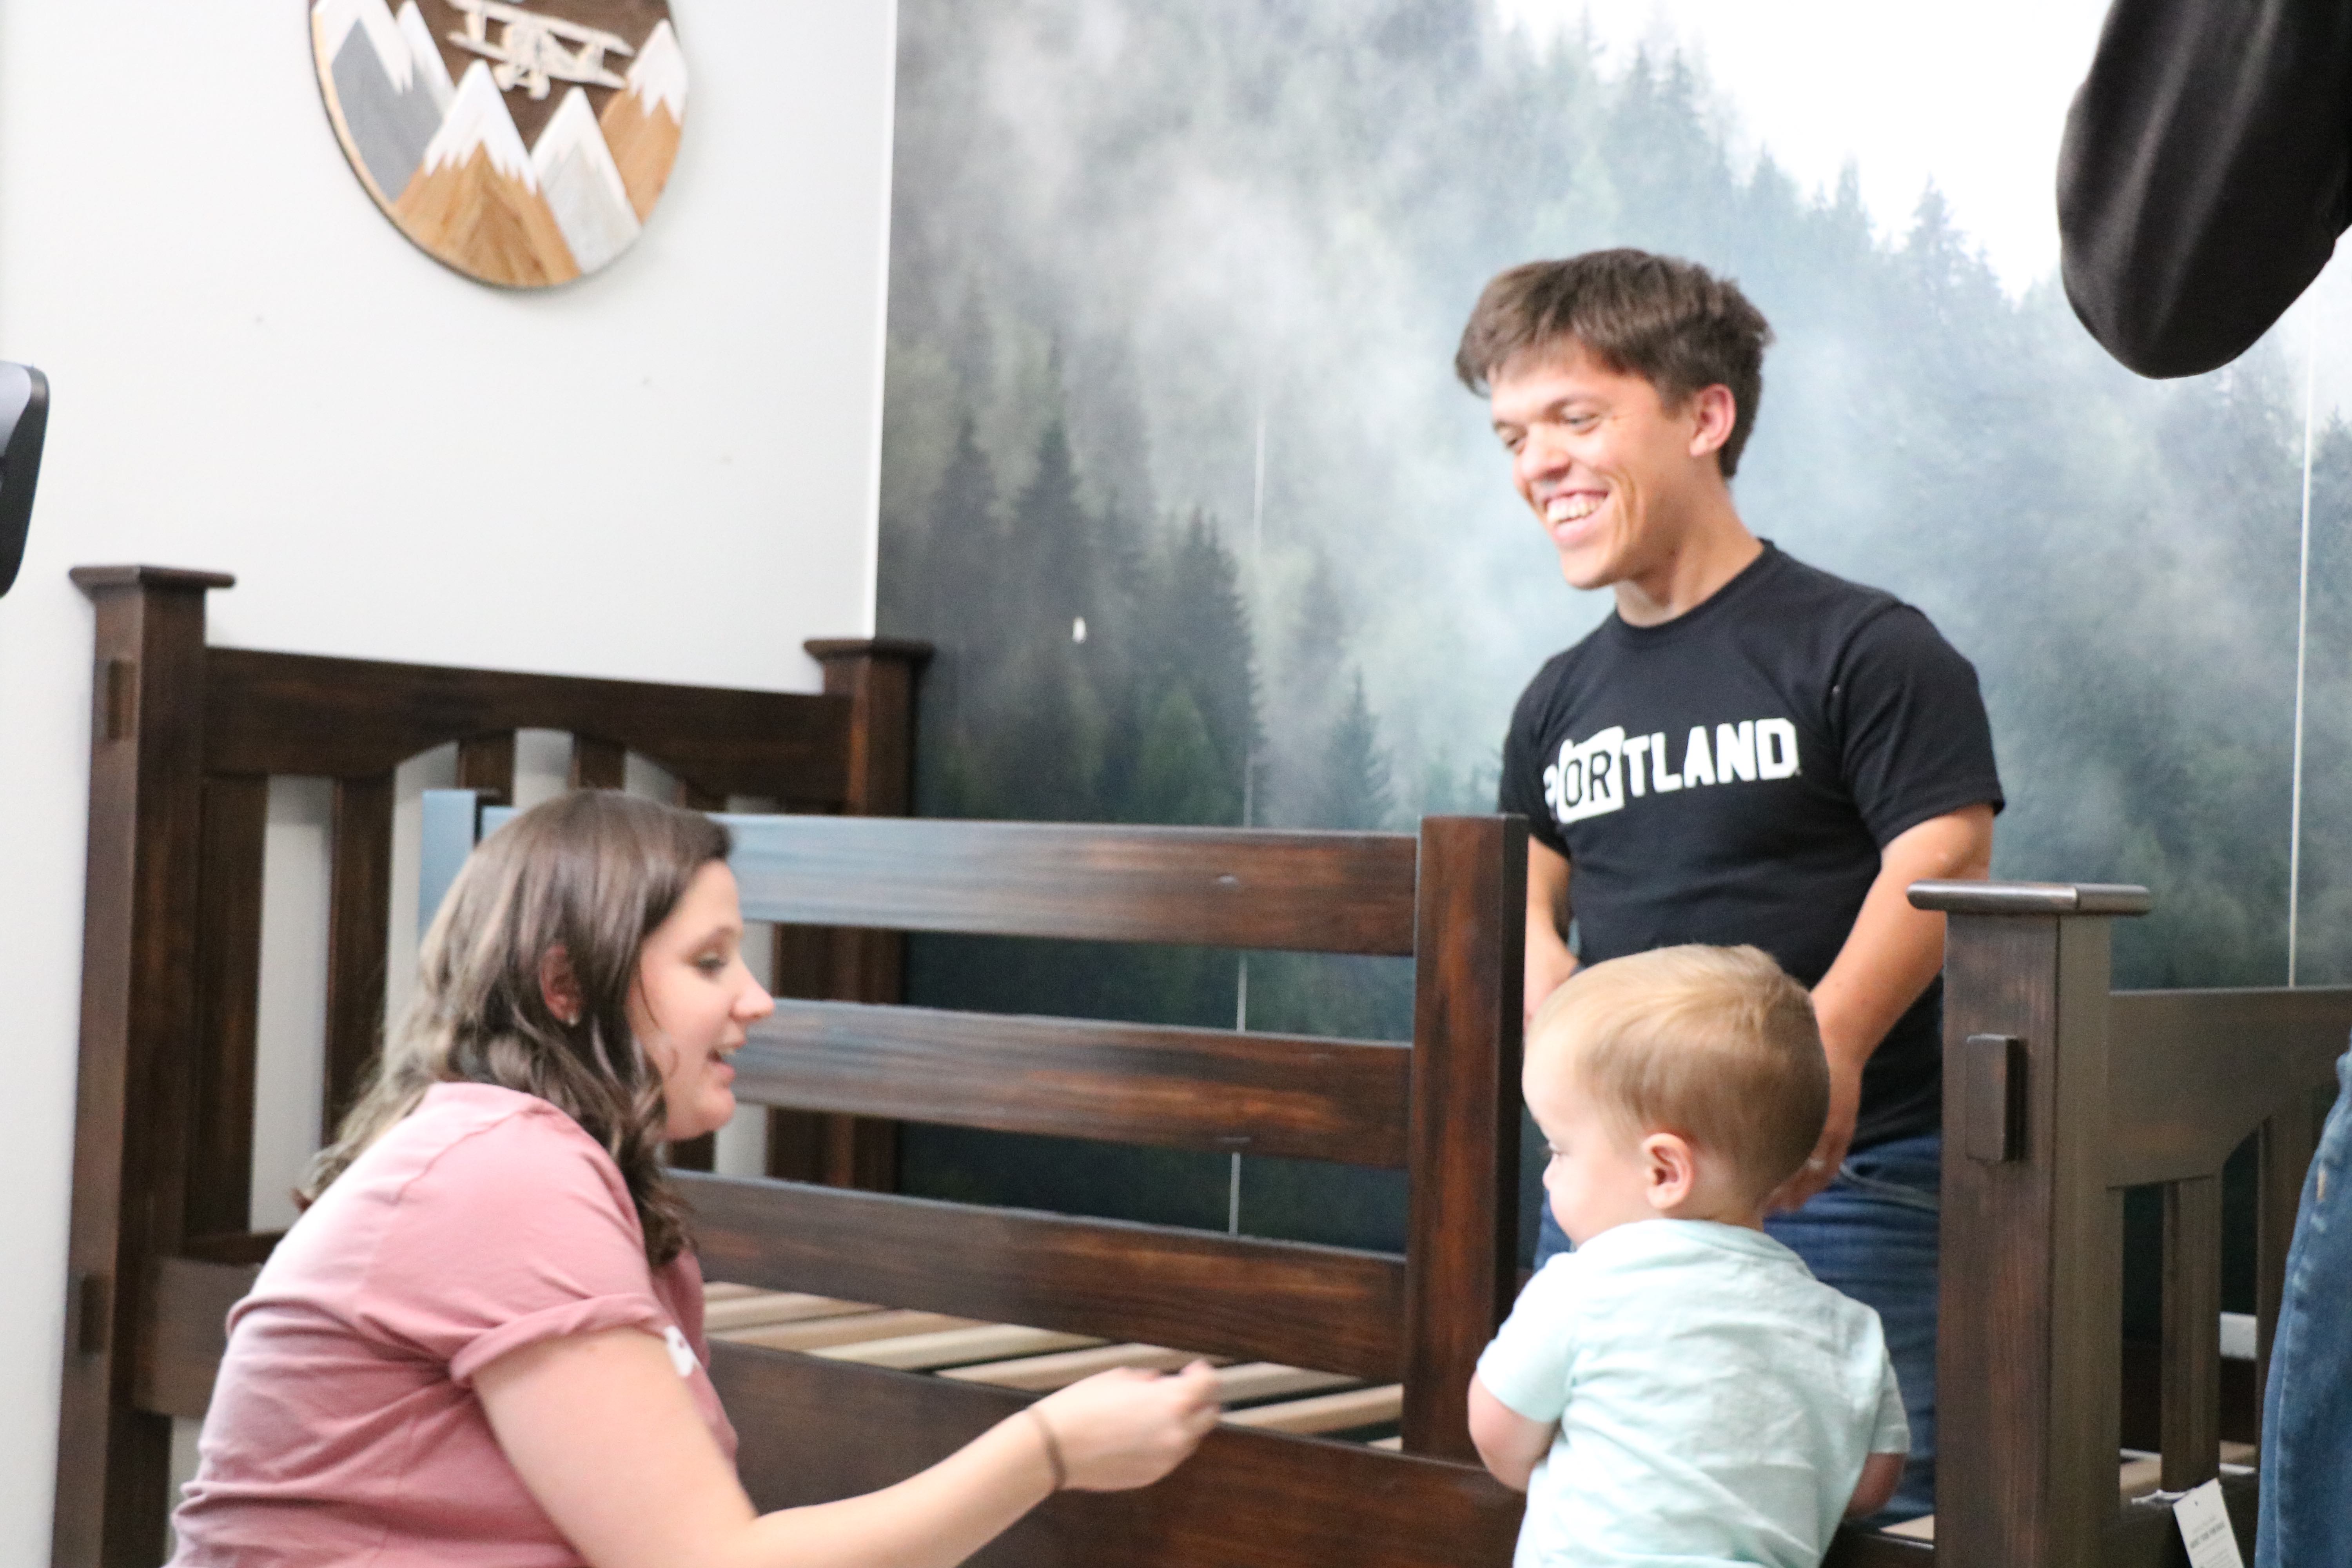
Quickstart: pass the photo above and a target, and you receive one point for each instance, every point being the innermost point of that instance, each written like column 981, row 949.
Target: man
column 1748, row 750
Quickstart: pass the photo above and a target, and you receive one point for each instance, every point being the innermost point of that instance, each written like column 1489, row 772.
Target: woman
column 482, row 1342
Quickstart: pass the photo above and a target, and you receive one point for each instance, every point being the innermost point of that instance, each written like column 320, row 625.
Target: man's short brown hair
column 1672, row 322
column 1715, row 1044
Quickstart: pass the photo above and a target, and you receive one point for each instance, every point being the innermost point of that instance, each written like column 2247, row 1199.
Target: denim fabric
column 2306, row 1513
column 1872, row 1234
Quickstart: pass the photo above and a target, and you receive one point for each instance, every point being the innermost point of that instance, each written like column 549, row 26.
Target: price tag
column 2205, row 1529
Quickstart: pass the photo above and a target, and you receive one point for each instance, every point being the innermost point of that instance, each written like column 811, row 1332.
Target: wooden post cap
column 98, row 579
column 2033, row 898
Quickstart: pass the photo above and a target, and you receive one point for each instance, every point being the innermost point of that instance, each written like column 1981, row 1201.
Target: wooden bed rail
column 2059, row 1093
column 1249, row 888
column 1306, row 1097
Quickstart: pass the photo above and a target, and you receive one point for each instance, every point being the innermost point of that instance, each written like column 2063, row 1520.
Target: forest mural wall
column 1177, row 478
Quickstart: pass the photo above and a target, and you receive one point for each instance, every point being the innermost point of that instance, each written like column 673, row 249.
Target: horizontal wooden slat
column 952, row 1347
column 1040, row 1373
column 2196, row 1071
column 1271, row 1380
column 1200, row 1088
column 746, row 1307
column 185, row 1331
column 1325, row 1412
column 857, row 1328
column 1245, row 1499
column 299, row 713
column 1323, row 892
column 1313, row 1306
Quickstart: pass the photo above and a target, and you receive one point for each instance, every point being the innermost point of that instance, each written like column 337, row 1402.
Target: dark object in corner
column 2204, row 175
column 24, row 422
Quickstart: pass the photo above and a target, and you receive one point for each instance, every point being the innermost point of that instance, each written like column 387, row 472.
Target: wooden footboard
column 2059, row 1093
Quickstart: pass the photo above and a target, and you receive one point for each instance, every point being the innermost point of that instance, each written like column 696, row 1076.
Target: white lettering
column 1586, row 780
column 1636, row 753
column 1735, row 751
column 1776, row 749
column 1666, row 782
column 1697, row 767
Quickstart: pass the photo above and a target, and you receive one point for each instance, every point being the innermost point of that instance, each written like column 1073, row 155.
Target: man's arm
column 1550, row 963
column 1889, row 957
column 1511, row 1444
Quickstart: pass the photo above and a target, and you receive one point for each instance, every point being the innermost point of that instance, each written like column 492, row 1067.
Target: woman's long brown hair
column 591, row 873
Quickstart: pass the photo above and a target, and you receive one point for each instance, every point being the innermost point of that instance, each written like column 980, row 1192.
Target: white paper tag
column 2205, row 1529
column 681, row 1357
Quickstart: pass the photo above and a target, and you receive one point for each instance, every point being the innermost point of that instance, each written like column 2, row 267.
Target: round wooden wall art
column 523, row 144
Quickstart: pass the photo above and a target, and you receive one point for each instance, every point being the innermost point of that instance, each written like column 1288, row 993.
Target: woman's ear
column 1671, row 1171
column 558, row 984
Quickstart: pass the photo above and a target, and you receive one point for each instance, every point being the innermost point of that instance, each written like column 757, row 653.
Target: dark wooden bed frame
column 2060, row 1093
column 184, row 743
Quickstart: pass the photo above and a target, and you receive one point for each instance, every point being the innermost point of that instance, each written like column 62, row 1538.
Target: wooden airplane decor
column 522, row 143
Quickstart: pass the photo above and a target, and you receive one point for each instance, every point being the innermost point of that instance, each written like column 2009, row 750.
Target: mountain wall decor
column 521, row 142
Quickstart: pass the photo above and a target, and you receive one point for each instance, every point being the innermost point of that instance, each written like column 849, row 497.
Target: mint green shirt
column 1716, row 1402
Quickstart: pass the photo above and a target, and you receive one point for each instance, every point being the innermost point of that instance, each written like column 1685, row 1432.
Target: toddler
column 1680, row 1389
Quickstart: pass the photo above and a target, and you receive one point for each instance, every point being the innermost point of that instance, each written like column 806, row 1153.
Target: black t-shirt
column 2206, row 173
column 1731, row 775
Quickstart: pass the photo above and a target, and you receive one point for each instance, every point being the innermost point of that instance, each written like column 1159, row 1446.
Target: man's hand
column 1888, row 959
column 1821, row 1167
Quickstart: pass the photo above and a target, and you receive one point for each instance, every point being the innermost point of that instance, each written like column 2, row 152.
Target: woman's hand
column 1127, row 1429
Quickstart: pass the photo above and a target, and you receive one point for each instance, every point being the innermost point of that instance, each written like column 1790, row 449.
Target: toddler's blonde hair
column 1716, row 1044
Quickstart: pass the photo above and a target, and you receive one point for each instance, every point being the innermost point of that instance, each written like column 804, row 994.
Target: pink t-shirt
column 344, row 1427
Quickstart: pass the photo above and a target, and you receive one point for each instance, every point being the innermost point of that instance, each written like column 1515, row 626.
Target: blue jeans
column 2306, row 1513
column 1872, row 1234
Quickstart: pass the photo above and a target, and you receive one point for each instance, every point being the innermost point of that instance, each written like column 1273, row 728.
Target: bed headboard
column 183, row 740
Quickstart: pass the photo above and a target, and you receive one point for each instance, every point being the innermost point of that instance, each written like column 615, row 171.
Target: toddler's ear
column 1671, row 1169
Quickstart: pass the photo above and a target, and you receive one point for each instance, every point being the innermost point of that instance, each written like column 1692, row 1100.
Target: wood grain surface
column 1288, row 1301
column 1199, row 1089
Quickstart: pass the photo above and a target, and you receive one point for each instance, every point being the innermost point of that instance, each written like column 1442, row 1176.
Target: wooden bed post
column 132, row 1102
column 2029, row 1357
column 878, row 675
column 1463, row 1216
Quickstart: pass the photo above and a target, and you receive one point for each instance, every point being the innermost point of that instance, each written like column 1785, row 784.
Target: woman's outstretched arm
column 603, row 1434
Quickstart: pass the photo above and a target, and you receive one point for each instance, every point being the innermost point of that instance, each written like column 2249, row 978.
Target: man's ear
column 1713, row 412
column 558, row 984
column 1671, row 1171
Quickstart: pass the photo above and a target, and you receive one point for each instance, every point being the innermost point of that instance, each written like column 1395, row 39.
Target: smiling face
column 694, row 1000
column 1617, row 479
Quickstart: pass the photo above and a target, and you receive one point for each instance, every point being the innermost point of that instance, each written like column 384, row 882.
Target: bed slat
column 228, row 1001
column 1320, row 892
column 359, row 923
column 1316, row 1306
column 1202, row 1089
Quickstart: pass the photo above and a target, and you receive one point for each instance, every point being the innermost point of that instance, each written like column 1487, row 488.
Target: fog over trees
column 1177, row 476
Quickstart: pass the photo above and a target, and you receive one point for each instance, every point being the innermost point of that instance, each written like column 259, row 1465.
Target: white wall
column 665, row 471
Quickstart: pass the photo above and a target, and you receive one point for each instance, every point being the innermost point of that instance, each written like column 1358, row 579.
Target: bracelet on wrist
column 1053, row 1448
